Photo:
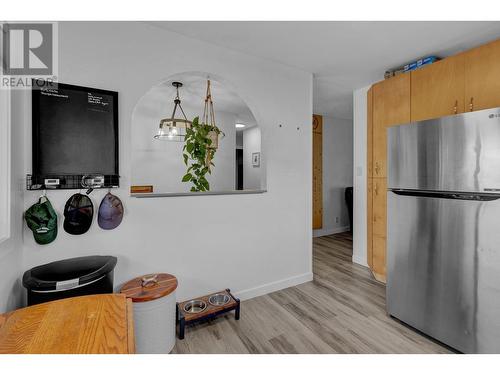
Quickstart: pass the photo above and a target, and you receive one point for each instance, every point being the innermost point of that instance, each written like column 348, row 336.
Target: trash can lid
column 149, row 287
column 81, row 270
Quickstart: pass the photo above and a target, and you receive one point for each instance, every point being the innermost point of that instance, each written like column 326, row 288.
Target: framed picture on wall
column 256, row 159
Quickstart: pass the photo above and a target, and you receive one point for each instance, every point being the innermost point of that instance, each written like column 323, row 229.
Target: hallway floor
column 341, row 311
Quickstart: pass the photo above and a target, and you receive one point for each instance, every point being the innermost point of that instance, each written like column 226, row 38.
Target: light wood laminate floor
column 341, row 311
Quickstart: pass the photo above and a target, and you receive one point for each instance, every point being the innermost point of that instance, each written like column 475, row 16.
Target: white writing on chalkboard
column 95, row 99
column 53, row 93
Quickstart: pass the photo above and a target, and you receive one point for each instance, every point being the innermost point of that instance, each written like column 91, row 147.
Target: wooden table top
column 96, row 324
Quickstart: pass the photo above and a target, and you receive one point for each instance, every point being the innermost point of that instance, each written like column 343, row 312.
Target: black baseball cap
column 78, row 214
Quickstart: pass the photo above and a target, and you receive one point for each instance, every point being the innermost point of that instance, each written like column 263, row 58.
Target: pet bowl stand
column 185, row 319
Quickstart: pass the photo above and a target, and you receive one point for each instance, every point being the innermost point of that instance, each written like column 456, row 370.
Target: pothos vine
column 198, row 153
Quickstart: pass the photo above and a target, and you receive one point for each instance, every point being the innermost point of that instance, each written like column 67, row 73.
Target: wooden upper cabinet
column 391, row 106
column 482, row 77
column 437, row 90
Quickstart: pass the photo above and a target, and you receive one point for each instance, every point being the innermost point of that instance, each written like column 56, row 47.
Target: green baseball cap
column 42, row 220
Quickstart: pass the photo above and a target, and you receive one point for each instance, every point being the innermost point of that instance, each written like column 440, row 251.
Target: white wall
column 252, row 244
column 251, row 144
column 337, row 174
column 11, row 268
column 359, row 206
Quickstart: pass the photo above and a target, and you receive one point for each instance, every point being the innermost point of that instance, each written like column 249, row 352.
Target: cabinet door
column 482, row 77
column 437, row 90
column 391, row 106
column 369, row 212
column 379, row 220
column 379, row 213
column 369, row 133
column 317, row 129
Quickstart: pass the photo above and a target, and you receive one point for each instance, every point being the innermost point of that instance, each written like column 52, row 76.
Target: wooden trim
column 379, row 277
column 317, row 167
column 369, row 226
column 369, row 179
column 369, row 133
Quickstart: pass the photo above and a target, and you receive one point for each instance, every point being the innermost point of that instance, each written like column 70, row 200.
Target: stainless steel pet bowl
column 219, row 299
column 195, row 306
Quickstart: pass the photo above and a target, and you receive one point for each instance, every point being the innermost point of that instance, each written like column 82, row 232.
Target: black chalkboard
column 75, row 130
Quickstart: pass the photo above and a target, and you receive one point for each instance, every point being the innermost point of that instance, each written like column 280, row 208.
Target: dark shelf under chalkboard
column 73, row 181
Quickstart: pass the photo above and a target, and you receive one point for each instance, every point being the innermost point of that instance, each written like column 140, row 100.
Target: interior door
column 482, row 77
column 438, row 89
column 317, row 130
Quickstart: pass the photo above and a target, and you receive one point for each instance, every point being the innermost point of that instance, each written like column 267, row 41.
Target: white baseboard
column 274, row 286
column 328, row 231
column 360, row 261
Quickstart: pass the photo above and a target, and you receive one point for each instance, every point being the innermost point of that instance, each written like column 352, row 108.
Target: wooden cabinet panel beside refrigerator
column 388, row 105
column 369, row 222
column 369, row 173
column 317, row 132
column 379, row 258
column 437, row 90
column 482, row 77
column 379, row 227
column 391, row 106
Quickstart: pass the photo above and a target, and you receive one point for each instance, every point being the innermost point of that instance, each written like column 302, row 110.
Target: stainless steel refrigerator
column 443, row 230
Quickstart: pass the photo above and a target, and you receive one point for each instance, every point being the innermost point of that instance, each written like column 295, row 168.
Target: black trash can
column 70, row 278
column 348, row 201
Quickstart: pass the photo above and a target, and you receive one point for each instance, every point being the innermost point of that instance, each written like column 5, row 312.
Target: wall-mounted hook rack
column 73, row 181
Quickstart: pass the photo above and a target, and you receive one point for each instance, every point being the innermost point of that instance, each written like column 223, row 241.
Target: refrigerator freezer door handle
column 448, row 195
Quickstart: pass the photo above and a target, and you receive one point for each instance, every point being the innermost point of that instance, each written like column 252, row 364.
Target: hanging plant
column 201, row 143
column 198, row 154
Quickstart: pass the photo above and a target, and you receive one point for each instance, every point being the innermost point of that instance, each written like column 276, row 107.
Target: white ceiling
column 342, row 55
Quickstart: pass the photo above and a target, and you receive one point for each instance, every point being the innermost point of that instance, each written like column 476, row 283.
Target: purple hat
column 110, row 212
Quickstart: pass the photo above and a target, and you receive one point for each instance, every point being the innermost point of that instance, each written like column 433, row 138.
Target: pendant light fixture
column 174, row 129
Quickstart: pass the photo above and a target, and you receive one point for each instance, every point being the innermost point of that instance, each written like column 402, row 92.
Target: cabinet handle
column 471, row 104
column 376, row 189
column 455, row 108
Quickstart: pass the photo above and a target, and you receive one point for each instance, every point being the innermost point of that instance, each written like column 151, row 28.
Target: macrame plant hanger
column 209, row 119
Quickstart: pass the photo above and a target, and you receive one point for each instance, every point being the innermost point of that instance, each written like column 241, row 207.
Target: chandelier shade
column 174, row 128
